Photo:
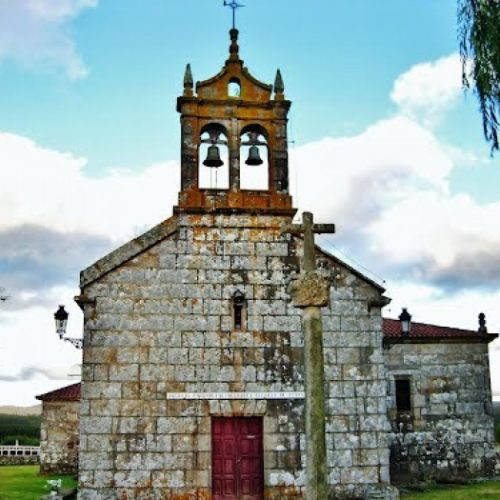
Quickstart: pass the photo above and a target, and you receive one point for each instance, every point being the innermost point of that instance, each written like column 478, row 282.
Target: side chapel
column 192, row 380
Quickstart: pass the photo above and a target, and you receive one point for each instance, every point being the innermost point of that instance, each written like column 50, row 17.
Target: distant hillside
column 496, row 409
column 22, row 428
column 21, row 410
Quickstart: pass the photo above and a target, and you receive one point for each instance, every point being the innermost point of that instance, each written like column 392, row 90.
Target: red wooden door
column 237, row 463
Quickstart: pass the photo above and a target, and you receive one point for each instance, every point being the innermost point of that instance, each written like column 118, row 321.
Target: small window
column 234, row 88
column 239, row 304
column 403, row 395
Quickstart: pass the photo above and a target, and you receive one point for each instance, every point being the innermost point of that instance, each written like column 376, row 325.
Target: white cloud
column 428, row 89
column 387, row 190
column 36, row 34
column 50, row 189
column 382, row 159
column 439, row 230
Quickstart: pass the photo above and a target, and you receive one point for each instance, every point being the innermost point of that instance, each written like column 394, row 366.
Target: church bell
column 254, row 156
column 213, row 157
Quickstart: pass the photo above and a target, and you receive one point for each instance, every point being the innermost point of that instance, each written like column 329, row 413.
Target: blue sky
column 387, row 146
column 339, row 60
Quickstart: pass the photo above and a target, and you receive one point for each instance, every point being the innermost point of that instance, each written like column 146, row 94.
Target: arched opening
column 213, row 154
column 234, row 88
column 254, row 155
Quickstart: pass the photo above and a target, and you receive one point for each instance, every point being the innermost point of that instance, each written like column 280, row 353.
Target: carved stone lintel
column 310, row 290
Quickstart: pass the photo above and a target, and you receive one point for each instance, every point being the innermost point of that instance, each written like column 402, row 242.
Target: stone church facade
column 192, row 380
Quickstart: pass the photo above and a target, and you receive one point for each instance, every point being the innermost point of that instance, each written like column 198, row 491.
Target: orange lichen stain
column 283, row 492
column 111, row 357
column 199, row 232
column 213, row 199
column 195, row 495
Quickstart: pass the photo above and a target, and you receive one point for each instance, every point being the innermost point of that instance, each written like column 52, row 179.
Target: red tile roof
column 68, row 393
column 392, row 329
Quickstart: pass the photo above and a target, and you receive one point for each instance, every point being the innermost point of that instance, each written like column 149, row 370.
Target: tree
column 479, row 37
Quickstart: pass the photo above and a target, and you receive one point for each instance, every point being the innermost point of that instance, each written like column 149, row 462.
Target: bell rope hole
column 254, row 158
column 234, row 88
column 239, row 311
column 213, row 158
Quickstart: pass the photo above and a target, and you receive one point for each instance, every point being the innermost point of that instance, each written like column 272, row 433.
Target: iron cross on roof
column 308, row 228
column 233, row 4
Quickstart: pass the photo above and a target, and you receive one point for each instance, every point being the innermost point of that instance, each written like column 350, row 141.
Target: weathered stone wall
column 59, row 437
column 357, row 426
column 452, row 415
column 162, row 322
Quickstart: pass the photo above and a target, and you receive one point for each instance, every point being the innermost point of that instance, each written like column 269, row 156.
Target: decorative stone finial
column 482, row 323
column 188, row 81
column 279, row 86
column 234, row 49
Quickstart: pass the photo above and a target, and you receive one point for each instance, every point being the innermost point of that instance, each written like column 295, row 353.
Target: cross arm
column 317, row 228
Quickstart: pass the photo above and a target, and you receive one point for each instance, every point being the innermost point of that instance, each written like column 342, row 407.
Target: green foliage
column 496, row 413
column 481, row 491
column 26, row 429
column 479, row 37
column 22, row 482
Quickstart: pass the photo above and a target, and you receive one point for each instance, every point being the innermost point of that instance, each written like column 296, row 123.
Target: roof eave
column 442, row 339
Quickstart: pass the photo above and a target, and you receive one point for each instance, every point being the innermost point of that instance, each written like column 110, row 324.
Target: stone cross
column 311, row 292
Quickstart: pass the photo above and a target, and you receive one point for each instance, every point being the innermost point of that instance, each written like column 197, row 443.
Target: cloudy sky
column 386, row 145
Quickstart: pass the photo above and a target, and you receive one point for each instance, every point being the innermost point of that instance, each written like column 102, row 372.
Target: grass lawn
column 486, row 491
column 22, row 482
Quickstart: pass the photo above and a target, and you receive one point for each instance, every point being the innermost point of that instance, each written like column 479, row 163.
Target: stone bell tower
column 255, row 115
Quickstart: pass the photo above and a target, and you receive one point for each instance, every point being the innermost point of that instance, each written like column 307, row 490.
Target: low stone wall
column 19, row 460
column 439, row 456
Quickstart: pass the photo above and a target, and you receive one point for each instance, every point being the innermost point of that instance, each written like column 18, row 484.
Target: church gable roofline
column 351, row 269
column 128, row 251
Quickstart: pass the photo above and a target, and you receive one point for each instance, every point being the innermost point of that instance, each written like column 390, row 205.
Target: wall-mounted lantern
column 61, row 318
column 405, row 318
